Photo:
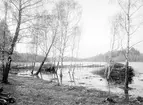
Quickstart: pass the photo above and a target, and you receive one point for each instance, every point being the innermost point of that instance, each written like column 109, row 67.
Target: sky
column 95, row 28
column 95, row 37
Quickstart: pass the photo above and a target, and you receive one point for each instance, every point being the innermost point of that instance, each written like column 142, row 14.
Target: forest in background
column 118, row 56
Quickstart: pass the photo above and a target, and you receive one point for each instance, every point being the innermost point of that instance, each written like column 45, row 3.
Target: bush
column 117, row 74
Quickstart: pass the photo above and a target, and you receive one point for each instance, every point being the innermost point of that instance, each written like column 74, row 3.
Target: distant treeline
column 26, row 57
column 118, row 56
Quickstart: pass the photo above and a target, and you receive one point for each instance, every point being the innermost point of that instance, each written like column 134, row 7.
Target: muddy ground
column 33, row 91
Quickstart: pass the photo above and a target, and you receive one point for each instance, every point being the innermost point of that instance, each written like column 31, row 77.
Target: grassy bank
column 33, row 91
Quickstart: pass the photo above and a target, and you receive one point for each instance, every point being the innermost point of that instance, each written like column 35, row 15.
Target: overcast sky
column 95, row 27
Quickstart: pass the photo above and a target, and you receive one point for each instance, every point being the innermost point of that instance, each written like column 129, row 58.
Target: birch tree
column 4, row 34
column 35, row 44
column 69, row 13
column 128, row 25
column 74, row 44
column 20, row 15
column 50, row 24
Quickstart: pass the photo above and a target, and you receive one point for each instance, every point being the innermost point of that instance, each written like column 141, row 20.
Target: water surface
column 84, row 77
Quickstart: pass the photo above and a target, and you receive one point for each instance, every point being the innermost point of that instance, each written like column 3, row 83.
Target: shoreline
column 33, row 91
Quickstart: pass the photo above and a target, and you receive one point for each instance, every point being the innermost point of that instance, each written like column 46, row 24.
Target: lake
column 84, row 77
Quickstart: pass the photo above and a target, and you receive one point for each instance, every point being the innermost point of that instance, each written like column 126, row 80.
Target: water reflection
column 84, row 77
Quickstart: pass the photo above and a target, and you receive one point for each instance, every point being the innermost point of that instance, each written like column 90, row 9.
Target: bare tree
column 35, row 41
column 69, row 13
column 130, row 9
column 19, row 11
column 34, row 49
column 50, row 23
column 74, row 44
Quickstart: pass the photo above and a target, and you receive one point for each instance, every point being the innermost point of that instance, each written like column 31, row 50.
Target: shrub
column 117, row 74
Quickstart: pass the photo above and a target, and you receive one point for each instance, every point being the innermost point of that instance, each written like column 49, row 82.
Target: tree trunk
column 61, row 73
column 40, row 68
column 61, row 70
column 127, row 53
column 3, row 54
column 3, row 51
column 57, row 73
column 4, row 35
column 33, row 68
column 126, row 82
column 8, row 63
column 6, row 71
column 34, row 62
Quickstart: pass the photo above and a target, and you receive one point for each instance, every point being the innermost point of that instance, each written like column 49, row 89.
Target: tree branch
column 14, row 5
column 136, row 10
column 30, row 5
column 26, row 2
column 122, row 7
column 136, row 29
column 136, row 44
